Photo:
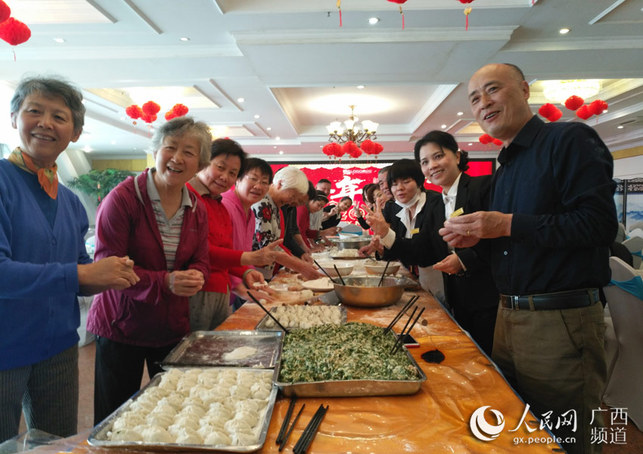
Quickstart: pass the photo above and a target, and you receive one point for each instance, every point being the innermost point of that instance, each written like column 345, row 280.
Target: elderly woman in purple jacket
column 158, row 223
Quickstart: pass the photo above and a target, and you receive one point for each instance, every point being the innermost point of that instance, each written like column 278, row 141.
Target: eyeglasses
column 256, row 181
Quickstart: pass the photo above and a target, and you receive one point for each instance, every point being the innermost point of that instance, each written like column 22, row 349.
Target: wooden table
column 434, row 420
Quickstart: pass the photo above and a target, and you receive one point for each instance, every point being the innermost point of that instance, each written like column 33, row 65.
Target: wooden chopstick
column 339, row 274
column 379, row 284
column 310, row 431
column 411, row 300
column 284, row 424
column 268, row 312
column 325, row 272
column 287, row 436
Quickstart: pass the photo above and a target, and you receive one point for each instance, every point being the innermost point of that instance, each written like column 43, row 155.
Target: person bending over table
column 552, row 218
column 44, row 264
column 304, row 213
column 157, row 221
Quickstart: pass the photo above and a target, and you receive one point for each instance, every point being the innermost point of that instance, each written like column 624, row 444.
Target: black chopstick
column 409, row 330
column 268, row 312
column 339, row 274
column 383, row 274
column 325, row 272
column 399, row 337
column 285, row 440
column 310, row 431
column 284, row 425
column 412, row 300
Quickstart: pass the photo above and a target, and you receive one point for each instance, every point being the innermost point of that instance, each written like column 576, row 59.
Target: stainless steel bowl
column 364, row 292
column 351, row 243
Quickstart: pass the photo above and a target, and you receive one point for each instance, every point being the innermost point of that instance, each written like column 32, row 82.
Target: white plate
column 323, row 284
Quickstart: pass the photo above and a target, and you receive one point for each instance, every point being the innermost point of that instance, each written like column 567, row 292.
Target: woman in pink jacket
column 156, row 221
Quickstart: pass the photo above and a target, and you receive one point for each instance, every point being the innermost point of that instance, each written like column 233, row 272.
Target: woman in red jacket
column 157, row 222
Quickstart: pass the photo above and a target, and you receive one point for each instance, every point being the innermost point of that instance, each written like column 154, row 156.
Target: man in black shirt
column 552, row 218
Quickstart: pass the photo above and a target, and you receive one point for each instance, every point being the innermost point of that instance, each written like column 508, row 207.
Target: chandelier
column 559, row 90
column 352, row 130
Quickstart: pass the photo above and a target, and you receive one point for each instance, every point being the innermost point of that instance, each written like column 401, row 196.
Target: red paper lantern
column 180, row 110
column 574, row 102
column 14, row 32
column 134, row 111
column 597, row 107
column 464, row 2
column 546, row 110
column 151, row 108
column 5, row 11
column 556, row 115
column 352, row 149
column 333, row 149
column 399, row 2
column 170, row 115
column 147, row 118
column 583, row 112
column 485, row 139
column 497, row 142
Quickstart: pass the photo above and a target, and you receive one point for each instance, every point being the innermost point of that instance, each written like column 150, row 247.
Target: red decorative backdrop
column 348, row 179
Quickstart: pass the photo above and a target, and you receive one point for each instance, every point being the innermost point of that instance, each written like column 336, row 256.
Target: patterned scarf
column 47, row 176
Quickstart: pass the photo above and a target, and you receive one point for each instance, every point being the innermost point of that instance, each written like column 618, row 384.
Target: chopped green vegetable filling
column 354, row 351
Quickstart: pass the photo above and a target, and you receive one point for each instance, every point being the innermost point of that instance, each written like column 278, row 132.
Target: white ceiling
column 286, row 57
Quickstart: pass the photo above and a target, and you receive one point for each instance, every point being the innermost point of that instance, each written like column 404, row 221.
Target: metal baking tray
column 208, row 348
column 353, row 388
column 98, row 435
column 261, row 326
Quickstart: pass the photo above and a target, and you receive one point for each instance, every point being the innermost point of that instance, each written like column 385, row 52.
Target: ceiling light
column 281, row 151
column 360, row 87
column 444, row 126
column 269, row 129
column 274, row 146
column 277, row 138
column 460, row 114
column 620, row 127
column 564, row 31
column 241, row 99
column 87, row 149
column 59, row 40
column 470, row 144
column 351, row 130
column 373, row 20
column 184, row 38
column 559, row 90
column 257, row 116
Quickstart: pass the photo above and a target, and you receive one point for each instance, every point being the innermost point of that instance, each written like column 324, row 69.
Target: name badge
column 415, row 230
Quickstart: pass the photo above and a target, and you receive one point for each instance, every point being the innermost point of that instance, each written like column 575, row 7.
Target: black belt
column 551, row 301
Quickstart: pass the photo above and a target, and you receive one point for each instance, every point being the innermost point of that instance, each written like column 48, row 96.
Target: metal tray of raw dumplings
column 101, row 435
column 310, row 315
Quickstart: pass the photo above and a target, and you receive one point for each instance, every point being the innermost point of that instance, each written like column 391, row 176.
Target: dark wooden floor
column 633, row 443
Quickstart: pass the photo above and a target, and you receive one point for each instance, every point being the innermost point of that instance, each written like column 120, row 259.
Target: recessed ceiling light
column 59, row 40
column 620, row 127
column 113, row 142
column 373, row 20
column 281, row 151
column 360, row 87
column 274, row 146
column 564, row 31
column 444, row 126
column 257, row 116
column 268, row 129
column 87, row 149
column 277, row 138
column 241, row 99
column 460, row 114
column 184, row 38
column 470, row 144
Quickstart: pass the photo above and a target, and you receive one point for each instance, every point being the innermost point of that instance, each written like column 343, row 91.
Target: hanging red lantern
column 352, row 149
column 170, row 115
column 14, row 32
column 332, row 149
column 583, row 112
column 497, row 142
column 485, row 139
column 134, row 112
column 597, row 107
column 546, row 110
column 5, row 11
column 151, row 108
column 147, row 118
column 555, row 115
column 180, row 110
column 574, row 102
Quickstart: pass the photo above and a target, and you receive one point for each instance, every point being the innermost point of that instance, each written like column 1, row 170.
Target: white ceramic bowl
column 378, row 268
column 344, row 269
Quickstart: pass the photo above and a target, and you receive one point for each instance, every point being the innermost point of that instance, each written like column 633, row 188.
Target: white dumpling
column 142, row 407
column 249, row 405
column 188, row 437
column 193, row 409
column 187, row 421
column 160, row 419
column 261, row 393
column 128, row 419
column 218, row 408
column 244, row 439
column 174, row 400
column 237, row 425
column 251, row 418
column 156, row 434
column 126, row 435
column 214, row 420
column 217, row 438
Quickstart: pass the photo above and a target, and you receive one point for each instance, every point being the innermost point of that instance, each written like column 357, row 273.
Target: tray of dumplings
column 223, row 409
column 302, row 317
column 243, row 348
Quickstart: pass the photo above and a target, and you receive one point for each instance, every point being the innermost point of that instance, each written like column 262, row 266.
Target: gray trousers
column 208, row 310
column 47, row 392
